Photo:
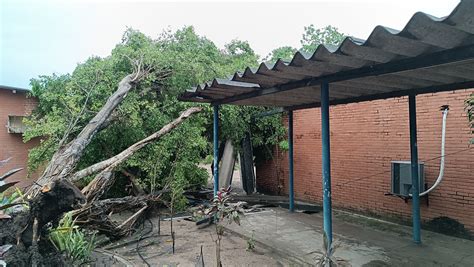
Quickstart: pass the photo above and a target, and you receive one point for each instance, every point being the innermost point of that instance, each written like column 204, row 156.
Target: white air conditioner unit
column 401, row 178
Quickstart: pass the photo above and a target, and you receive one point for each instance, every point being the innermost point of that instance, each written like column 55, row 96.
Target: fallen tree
column 96, row 214
column 65, row 159
column 92, row 212
column 104, row 180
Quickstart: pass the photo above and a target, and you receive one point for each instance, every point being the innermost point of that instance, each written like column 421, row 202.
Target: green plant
column 310, row 40
column 68, row 102
column 313, row 37
column 72, row 241
column 13, row 199
column 8, row 201
column 284, row 145
column 208, row 159
column 251, row 243
column 222, row 210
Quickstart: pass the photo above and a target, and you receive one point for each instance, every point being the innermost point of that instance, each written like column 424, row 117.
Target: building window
column 15, row 124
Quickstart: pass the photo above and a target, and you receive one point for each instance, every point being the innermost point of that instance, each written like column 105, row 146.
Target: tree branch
column 119, row 158
column 104, row 179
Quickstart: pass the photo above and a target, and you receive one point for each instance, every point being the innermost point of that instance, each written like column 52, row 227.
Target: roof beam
column 423, row 61
column 424, row 90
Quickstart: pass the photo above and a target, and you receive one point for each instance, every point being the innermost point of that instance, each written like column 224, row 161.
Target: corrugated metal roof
column 430, row 54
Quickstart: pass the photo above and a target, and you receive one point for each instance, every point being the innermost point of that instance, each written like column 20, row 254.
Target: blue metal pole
column 326, row 162
column 290, row 160
column 414, row 169
column 216, row 149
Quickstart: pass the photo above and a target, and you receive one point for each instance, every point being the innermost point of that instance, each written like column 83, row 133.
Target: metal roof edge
column 11, row 88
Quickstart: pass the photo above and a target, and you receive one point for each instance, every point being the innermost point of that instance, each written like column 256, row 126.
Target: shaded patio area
column 363, row 241
column 429, row 55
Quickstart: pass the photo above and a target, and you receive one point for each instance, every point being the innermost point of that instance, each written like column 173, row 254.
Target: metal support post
column 290, row 160
column 326, row 162
column 414, row 170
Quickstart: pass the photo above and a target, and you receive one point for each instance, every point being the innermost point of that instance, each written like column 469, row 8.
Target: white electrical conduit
column 441, row 165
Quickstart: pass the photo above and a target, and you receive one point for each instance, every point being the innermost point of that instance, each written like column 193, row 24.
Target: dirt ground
column 157, row 249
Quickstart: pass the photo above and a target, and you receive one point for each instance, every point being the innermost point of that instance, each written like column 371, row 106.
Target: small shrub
column 251, row 243
column 72, row 241
column 284, row 145
column 222, row 210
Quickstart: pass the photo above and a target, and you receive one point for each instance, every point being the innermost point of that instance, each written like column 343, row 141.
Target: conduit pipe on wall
column 441, row 165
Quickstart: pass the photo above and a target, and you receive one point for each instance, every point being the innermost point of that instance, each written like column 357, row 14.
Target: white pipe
column 441, row 165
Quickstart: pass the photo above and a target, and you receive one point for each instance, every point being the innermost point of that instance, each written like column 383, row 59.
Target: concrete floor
column 363, row 241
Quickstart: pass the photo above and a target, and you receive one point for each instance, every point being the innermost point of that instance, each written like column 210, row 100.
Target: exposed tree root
column 27, row 230
column 97, row 215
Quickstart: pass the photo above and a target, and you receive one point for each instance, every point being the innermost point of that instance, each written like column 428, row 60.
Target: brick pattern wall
column 365, row 138
column 12, row 145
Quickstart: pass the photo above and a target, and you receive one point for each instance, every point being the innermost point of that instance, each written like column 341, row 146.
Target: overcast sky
column 45, row 37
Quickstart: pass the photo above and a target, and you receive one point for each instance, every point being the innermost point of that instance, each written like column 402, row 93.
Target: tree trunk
column 65, row 159
column 104, row 180
column 218, row 253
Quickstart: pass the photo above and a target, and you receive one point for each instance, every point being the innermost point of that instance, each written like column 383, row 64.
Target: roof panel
column 429, row 54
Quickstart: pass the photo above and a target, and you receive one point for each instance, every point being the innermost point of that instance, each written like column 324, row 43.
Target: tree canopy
column 183, row 59
column 284, row 53
column 311, row 38
column 67, row 102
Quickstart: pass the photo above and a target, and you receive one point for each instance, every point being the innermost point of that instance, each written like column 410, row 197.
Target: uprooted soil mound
column 46, row 208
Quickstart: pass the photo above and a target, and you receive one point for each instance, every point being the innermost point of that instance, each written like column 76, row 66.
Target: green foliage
column 9, row 200
column 239, row 55
column 180, row 60
column 251, row 242
column 266, row 131
column 72, row 241
column 284, row 53
column 222, row 210
column 284, row 145
column 313, row 37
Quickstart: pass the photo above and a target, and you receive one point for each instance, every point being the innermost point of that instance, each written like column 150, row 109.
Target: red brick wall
column 11, row 145
column 365, row 137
